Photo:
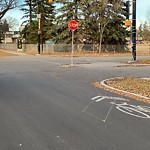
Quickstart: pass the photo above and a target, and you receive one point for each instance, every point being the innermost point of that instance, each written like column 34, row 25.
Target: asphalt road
column 44, row 106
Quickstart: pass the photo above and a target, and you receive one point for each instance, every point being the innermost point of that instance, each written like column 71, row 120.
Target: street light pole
column 134, row 29
column 39, row 23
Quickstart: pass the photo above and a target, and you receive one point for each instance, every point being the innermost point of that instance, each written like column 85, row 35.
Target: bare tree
column 148, row 16
column 6, row 5
column 12, row 22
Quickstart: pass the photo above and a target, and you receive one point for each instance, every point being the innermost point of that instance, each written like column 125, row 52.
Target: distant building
column 11, row 37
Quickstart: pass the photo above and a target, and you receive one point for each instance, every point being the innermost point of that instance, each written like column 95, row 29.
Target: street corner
column 136, row 88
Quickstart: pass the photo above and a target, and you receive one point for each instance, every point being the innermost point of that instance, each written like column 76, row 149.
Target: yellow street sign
column 39, row 31
column 128, row 23
column 50, row 1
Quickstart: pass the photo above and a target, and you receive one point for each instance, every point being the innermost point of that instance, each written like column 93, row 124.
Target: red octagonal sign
column 73, row 25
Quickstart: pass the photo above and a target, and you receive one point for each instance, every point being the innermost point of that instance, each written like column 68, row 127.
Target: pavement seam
column 126, row 92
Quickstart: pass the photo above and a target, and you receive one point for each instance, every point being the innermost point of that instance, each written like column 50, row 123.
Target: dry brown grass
column 79, row 54
column 147, row 61
column 134, row 85
column 4, row 54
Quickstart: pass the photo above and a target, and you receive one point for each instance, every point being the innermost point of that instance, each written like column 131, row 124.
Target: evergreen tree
column 100, row 21
column 103, row 21
column 47, row 18
column 27, row 9
column 30, row 30
column 4, row 27
column 88, row 23
column 115, row 33
column 65, row 13
column 1, row 32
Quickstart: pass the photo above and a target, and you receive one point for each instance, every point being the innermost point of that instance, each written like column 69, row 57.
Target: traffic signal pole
column 39, row 24
column 134, row 29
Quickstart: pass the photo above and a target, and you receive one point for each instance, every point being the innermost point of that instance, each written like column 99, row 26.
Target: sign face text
column 73, row 25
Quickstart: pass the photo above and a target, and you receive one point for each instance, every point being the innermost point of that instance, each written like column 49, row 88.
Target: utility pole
column 134, row 29
column 39, row 23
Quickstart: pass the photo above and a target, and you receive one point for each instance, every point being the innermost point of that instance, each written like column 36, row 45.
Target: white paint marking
column 108, row 97
column 136, row 111
column 87, row 106
column 100, row 99
column 94, row 116
column 95, row 97
column 109, row 111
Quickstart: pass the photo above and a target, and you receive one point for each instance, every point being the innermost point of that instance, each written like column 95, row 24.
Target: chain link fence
column 142, row 49
column 95, row 48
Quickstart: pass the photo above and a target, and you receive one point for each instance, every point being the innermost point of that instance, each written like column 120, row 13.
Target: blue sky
column 142, row 9
column 143, row 6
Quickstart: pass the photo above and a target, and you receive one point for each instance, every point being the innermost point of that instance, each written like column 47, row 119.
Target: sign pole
column 39, row 20
column 72, row 52
column 73, row 25
column 134, row 30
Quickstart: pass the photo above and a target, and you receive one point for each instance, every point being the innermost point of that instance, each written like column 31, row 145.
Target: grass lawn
column 143, row 61
column 139, row 86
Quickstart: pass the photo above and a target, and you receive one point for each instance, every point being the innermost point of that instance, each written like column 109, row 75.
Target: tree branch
column 6, row 5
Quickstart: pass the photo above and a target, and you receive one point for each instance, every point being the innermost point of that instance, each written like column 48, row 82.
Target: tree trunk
column 100, row 43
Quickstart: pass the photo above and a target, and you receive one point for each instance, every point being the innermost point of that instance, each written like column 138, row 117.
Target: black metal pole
column 134, row 29
column 38, row 16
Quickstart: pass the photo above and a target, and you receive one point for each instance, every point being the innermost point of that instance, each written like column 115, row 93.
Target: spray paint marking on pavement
column 121, row 105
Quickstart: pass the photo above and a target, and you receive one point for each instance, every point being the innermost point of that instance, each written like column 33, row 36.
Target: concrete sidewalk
column 15, row 53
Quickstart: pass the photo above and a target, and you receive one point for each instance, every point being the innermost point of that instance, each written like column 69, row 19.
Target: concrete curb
column 133, row 65
column 126, row 92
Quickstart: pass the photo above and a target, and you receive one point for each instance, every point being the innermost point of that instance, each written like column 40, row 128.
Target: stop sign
column 73, row 25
